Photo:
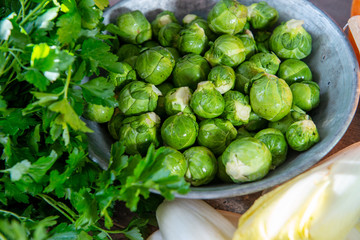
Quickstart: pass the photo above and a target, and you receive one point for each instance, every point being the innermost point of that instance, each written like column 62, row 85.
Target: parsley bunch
column 47, row 48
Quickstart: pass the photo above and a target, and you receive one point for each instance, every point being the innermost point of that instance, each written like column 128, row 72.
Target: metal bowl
column 334, row 68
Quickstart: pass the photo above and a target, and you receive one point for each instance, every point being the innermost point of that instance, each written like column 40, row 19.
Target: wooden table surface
column 339, row 11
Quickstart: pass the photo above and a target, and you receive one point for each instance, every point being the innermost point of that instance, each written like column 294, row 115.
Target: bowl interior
column 333, row 65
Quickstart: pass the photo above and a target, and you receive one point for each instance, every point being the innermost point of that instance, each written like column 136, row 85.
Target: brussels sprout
column 249, row 43
column 302, row 135
column 262, row 41
column 155, row 65
column 174, row 52
column 275, row 141
column 193, row 39
column 227, row 50
column 262, row 16
column 306, row 94
column 256, row 123
column 216, row 134
column 242, row 132
column 189, row 18
column 115, row 124
column 221, row 174
column 125, row 74
column 134, row 27
column 177, row 100
column 169, row 34
column 237, row 108
column 161, row 20
column 202, row 166
column 172, row 160
column 138, row 132
column 223, row 77
column 227, row 17
column 270, row 97
column 207, row 102
column 296, row 114
column 127, row 51
column 246, row 159
column 291, row 40
column 164, row 88
column 180, row 131
column 190, row 70
column 204, row 25
column 243, row 75
column 138, row 97
column 269, row 62
column 294, row 70
column 98, row 113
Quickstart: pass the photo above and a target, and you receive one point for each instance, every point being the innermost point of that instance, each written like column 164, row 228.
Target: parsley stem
column 50, row 202
column 34, row 11
column 20, row 218
column 67, row 83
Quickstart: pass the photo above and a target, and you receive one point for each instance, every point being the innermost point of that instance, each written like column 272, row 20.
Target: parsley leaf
column 99, row 91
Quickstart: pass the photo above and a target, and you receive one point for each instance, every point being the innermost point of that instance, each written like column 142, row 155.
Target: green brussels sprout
column 306, row 95
column 243, row 75
column 262, row 16
column 296, row 114
column 172, row 160
column 246, row 159
column 114, row 125
column 207, row 102
column 98, row 113
column 193, row 39
column 237, row 108
column 202, row 166
column 227, row 50
column 294, row 70
column 174, row 52
column 302, row 135
column 204, row 25
column 216, row 134
column 262, row 41
column 270, row 97
column 180, row 131
column 164, row 88
column 177, row 100
column 256, row 123
column 242, row 132
column 188, row 18
column 161, row 20
column 227, row 17
column 134, row 27
column 190, row 70
column 291, row 40
column 269, row 62
column 155, row 65
column 124, row 75
column 169, row 34
column 138, row 97
column 223, row 77
column 138, row 132
column 127, row 51
column 221, row 174
column 249, row 43
column 275, row 141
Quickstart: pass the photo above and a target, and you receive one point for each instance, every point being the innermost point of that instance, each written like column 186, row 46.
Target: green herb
column 49, row 188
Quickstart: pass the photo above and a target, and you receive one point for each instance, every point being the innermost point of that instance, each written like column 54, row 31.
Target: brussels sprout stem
column 293, row 23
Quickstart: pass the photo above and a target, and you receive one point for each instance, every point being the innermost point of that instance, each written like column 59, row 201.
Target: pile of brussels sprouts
column 223, row 98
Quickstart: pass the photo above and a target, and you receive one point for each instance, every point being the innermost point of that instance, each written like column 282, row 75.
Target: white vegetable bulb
column 323, row 203
column 188, row 219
